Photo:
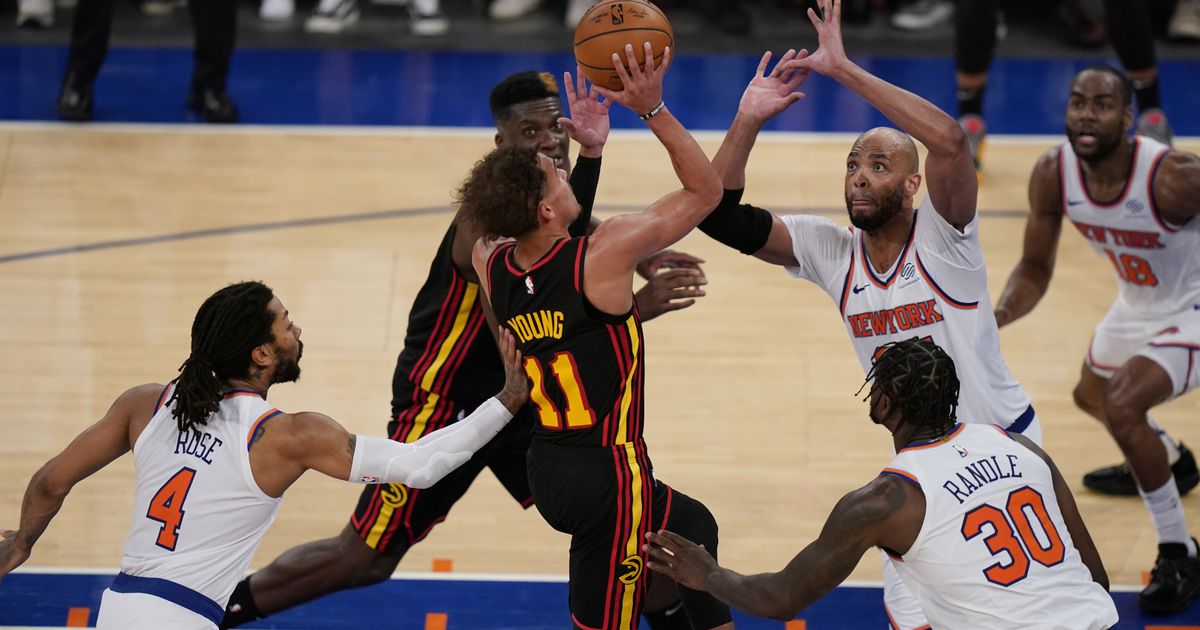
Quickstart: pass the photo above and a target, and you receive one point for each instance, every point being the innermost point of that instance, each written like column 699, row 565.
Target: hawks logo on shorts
column 633, row 566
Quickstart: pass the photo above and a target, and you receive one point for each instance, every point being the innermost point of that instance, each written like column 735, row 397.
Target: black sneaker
column 213, row 106
column 1118, row 480
column 1173, row 581
column 75, row 99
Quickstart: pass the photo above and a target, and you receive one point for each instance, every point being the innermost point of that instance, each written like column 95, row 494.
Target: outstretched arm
column 950, row 173
column 627, row 239
column 1031, row 277
column 92, row 450
column 887, row 512
column 292, row 444
column 743, row 227
column 588, row 126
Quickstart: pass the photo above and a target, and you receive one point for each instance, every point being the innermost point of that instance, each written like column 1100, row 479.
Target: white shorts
column 140, row 611
column 1170, row 341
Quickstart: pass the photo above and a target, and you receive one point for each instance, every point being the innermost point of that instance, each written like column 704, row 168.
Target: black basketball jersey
column 447, row 350
column 586, row 367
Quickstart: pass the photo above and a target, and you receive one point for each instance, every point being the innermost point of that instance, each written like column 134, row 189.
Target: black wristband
column 654, row 112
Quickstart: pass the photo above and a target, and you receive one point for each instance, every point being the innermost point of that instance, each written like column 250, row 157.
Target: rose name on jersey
column 890, row 321
column 1124, row 238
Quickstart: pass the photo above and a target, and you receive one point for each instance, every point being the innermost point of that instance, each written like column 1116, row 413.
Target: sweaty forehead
column 1095, row 84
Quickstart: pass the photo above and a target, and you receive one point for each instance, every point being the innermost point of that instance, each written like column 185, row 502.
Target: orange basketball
column 608, row 26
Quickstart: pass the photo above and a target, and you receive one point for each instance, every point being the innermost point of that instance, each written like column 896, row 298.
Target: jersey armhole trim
column 902, row 474
column 161, row 397
column 966, row 306
column 1158, row 218
column 271, row 413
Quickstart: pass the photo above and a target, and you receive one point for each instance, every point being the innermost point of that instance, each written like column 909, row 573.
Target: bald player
column 901, row 269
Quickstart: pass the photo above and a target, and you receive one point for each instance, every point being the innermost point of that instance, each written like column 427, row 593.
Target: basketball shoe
column 332, row 16
column 1174, row 580
column 1118, row 480
column 427, row 18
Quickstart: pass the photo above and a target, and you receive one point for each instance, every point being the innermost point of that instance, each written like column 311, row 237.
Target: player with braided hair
column 984, row 530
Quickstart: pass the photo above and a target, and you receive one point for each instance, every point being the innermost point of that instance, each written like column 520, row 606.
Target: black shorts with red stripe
column 390, row 518
column 607, row 499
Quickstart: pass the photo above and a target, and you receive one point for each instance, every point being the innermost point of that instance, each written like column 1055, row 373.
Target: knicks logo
column 633, row 570
column 394, row 495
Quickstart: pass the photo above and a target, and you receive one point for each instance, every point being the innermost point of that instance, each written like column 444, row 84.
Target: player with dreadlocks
column 985, row 530
column 203, row 501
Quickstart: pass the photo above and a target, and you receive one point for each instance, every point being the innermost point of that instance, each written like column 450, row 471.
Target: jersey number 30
column 1013, row 534
column 578, row 415
column 167, row 507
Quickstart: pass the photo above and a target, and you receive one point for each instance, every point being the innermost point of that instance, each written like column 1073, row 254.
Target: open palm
column 769, row 94
column 588, row 124
column 831, row 53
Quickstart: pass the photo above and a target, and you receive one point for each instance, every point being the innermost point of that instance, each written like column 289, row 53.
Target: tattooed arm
column 885, row 513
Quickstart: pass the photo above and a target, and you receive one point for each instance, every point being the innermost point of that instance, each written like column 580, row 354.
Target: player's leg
column 903, row 610
column 692, row 520
column 1146, row 380
column 1118, row 338
column 974, row 46
column 1132, row 36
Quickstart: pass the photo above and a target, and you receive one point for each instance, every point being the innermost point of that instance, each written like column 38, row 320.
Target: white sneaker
column 575, row 11
column 512, row 9
column 427, row 18
column 923, row 15
column 1185, row 23
column 35, row 13
column 332, row 16
column 276, row 10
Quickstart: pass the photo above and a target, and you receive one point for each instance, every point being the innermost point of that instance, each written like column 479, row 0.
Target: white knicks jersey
column 1157, row 264
column 994, row 551
column 936, row 290
column 198, row 513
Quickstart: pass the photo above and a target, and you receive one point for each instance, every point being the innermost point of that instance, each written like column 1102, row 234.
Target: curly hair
column 501, row 195
column 920, row 379
column 229, row 325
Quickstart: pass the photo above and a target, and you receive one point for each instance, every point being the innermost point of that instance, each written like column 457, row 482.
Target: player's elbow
column 49, row 483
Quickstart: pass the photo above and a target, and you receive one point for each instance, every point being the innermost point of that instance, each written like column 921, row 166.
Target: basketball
column 611, row 24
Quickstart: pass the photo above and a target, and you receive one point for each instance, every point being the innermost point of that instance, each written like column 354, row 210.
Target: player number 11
column 578, row 415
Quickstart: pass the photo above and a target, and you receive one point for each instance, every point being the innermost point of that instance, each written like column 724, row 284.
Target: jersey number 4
column 167, row 507
column 577, row 415
column 1012, row 533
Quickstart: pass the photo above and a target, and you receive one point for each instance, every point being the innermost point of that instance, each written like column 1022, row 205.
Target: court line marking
column 460, row 577
column 470, row 132
column 335, row 220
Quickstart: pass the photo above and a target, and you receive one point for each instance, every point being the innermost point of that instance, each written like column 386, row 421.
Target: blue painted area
column 43, row 600
column 444, row 88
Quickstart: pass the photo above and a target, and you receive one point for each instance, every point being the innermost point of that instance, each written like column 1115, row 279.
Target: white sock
column 1171, row 446
column 1167, row 513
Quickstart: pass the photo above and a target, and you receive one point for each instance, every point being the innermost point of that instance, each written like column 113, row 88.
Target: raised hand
column 831, row 54
column 769, row 94
column 588, row 124
column 679, row 559
column 643, row 84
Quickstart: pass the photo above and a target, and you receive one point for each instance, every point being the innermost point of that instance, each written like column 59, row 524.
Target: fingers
column 570, row 85
column 568, row 124
column 581, row 87
column 619, row 68
column 666, row 61
column 812, row 17
column 837, row 12
column 680, row 277
column 648, row 58
column 762, row 64
column 635, row 70
column 609, row 95
column 7, row 533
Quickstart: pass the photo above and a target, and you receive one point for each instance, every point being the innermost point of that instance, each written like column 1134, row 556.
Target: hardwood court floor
column 750, row 397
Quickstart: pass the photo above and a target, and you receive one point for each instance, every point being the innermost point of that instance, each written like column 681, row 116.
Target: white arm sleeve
column 423, row 463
